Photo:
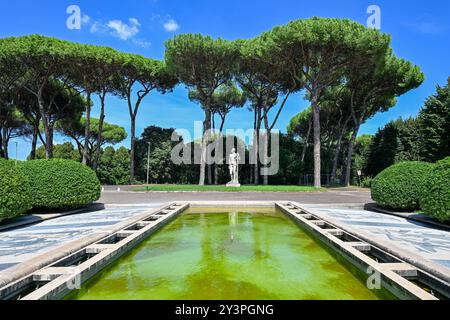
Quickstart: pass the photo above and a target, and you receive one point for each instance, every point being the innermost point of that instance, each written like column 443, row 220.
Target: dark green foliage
column 60, row 151
column 14, row 190
column 290, row 150
column 425, row 138
column 61, row 184
column 394, row 143
column 162, row 169
column 435, row 198
column 114, row 166
column 399, row 186
column 434, row 125
column 360, row 158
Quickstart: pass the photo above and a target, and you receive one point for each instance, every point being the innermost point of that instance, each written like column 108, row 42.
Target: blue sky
column 420, row 33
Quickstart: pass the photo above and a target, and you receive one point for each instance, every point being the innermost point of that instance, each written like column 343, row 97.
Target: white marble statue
column 233, row 165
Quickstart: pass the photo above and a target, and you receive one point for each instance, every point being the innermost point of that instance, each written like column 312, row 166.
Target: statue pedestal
column 233, row 184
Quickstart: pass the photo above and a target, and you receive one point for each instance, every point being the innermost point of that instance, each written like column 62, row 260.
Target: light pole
column 148, row 163
column 17, row 152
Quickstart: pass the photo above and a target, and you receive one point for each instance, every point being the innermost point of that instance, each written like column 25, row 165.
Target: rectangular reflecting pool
column 229, row 253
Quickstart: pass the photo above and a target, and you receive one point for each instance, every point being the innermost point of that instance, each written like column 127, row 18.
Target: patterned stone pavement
column 430, row 243
column 22, row 244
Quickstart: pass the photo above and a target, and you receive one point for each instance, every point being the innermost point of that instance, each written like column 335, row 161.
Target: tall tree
column 139, row 77
column 374, row 91
column 42, row 64
column 203, row 64
column 97, row 72
column 315, row 52
column 227, row 97
column 263, row 80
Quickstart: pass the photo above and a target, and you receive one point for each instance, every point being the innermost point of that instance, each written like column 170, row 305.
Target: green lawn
column 192, row 187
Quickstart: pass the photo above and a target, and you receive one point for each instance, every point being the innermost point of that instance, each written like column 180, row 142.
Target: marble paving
column 430, row 243
column 19, row 245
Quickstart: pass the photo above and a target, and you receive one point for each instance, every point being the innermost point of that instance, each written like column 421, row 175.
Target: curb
column 37, row 218
column 414, row 217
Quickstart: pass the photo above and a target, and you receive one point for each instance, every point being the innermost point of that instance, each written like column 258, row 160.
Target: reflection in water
column 231, row 254
column 233, row 219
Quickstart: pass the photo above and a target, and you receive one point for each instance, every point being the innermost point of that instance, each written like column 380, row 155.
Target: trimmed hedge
column 15, row 195
column 61, row 184
column 399, row 186
column 435, row 199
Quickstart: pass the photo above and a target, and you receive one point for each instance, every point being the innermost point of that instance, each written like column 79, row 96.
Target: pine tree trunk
column 256, row 147
column 87, row 129
column 209, row 174
column 132, row 148
column 47, row 130
column 49, row 141
column 348, row 169
column 34, row 140
column 316, row 130
column 303, row 155
column 335, row 161
column 266, row 155
column 5, row 143
column 205, row 139
column 100, row 133
column 1, row 145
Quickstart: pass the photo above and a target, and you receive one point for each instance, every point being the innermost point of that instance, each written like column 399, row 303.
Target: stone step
column 98, row 247
column 361, row 246
column 52, row 273
column 335, row 232
column 401, row 268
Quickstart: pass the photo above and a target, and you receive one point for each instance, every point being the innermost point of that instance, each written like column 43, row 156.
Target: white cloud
column 171, row 25
column 119, row 29
column 141, row 42
column 134, row 21
column 98, row 27
column 85, row 19
column 122, row 30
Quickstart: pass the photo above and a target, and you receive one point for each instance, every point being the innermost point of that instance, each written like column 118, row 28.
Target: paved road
column 123, row 197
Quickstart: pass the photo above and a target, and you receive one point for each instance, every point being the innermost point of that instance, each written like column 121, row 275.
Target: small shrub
column 399, row 186
column 366, row 182
column 435, row 198
column 61, row 184
column 14, row 190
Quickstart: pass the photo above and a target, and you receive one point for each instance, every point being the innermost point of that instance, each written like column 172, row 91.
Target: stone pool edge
column 327, row 231
column 57, row 279
column 17, row 274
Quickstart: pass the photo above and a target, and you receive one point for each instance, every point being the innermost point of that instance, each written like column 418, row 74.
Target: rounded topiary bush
column 14, row 190
column 61, row 184
column 435, row 198
column 398, row 187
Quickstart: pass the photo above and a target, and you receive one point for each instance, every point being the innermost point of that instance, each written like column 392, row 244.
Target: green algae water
column 227, row 254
